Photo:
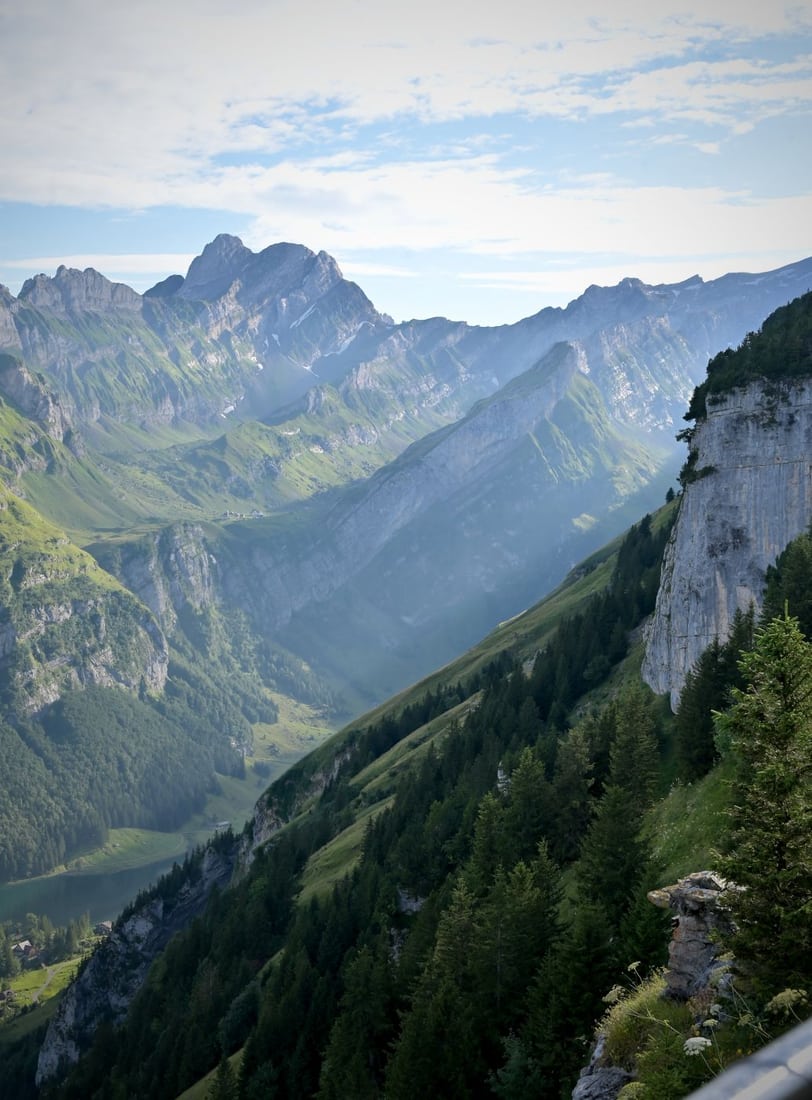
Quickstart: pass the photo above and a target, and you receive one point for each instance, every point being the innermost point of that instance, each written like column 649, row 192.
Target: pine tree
column 353, row 1063
column 707, row 689
column 633, row 759
column 529, row 806
column 788, row 583
column 768, row 730
column 224, row 1083
column 437, row 1053
column 613, row 852
column 571, row 802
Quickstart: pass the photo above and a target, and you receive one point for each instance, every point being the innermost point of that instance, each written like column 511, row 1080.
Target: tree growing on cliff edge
column 768, row 730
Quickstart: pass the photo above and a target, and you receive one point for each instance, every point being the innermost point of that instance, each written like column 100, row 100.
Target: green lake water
column 65, row 897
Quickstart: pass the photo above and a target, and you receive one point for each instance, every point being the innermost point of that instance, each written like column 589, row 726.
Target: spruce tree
column 571, row 801
column 224, row 1083
column 768, row 730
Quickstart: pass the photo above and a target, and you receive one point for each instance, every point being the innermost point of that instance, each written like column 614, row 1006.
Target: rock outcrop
column 699, row 915
column 104, row 990
column 71, row 291
column 169, row 571
column 64, row 623
column 599, row 1081
column 752, row 496
column 33, row 397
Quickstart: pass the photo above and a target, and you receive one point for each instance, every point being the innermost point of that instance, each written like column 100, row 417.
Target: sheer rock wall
column 753, row 496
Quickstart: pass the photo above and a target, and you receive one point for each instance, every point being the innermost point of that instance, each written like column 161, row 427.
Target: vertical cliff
column 751, row 495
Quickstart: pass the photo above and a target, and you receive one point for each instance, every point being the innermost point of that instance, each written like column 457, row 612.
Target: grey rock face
column 698, row 905
column 33, row 397
column 115, row 973
column 599, row 1081
column 169, row 571
column 71, row 291
column 267, row 819
column 140, row 659
column 733, row 523
column 9, row 337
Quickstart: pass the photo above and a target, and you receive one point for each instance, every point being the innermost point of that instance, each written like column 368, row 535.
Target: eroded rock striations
column 753, row 496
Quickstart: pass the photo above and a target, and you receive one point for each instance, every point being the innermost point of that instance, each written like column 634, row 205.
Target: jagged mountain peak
column 71, row 290
column 226, row 260
column 212, row 272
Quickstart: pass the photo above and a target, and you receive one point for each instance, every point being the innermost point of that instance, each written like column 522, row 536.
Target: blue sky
column 479, row 160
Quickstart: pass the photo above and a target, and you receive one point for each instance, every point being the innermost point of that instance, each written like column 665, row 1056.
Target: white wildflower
column 698, row 1044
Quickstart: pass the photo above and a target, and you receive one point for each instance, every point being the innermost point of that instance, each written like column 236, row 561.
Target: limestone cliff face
column 753, row 496
column 30, row 393
column 168, row 571
column 115, row 973
column 71, row 291
column 63, row 623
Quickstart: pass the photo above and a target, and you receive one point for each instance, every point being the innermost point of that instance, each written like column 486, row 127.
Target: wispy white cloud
column 368, row 128
column 110, row 263
column 126, row 105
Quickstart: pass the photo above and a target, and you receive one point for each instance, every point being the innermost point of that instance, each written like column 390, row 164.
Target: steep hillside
column 331, row 796
column 65, row 622
column 438, row 899
column 430, row 480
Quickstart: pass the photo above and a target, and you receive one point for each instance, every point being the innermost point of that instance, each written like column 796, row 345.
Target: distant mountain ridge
column 299, row 495
column 152, row 403
column 243, row 333
column 532, row 742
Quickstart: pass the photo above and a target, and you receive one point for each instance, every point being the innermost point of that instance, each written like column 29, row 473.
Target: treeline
column 98, row 759
column 445, row 963
column 103, row 758
column 781, row 349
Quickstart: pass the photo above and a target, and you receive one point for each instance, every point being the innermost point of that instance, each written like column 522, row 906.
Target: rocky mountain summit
column 244, row 333
column 71, row 291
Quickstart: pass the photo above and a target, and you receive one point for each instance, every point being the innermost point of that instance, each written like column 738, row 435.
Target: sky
column 478, row 160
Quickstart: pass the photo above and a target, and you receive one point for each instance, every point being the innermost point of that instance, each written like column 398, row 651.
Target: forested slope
column 439, row 899
column 450, row 853
column 495, row 894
